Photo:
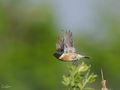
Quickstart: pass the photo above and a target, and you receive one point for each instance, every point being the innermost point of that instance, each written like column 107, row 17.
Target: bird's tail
column 87, row 57
column 81, row 56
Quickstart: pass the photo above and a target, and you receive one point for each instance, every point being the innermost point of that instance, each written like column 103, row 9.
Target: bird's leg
column 75, row 62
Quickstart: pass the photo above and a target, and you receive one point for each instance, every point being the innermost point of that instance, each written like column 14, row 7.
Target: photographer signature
column 4, row 86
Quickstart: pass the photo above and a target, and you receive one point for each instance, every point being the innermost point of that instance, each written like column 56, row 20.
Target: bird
column 65, row 50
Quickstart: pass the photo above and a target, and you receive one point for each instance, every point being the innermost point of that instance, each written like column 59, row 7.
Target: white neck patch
column 62, row 56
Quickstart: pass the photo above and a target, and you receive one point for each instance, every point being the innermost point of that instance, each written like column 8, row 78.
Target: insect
column 65, row 50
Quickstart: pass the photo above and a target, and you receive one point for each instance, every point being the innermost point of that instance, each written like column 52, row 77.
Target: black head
column 58, row 53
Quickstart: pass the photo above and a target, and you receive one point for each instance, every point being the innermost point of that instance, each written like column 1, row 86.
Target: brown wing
column 68, row 42
column 60, row 44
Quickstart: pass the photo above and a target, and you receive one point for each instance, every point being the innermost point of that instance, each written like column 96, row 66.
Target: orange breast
column 66, row 57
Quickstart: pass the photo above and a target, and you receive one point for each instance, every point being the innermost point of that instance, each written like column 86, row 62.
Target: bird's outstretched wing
column 60, row 44
column 68, row 42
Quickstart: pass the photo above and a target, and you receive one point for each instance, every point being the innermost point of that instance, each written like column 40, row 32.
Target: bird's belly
column 68, row 57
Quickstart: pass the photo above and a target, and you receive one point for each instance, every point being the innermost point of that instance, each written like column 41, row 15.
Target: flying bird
column 65, row 50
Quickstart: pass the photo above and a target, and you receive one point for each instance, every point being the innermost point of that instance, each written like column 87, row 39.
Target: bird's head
column 58, row 53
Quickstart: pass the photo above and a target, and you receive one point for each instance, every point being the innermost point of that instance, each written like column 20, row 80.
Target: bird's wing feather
column 60, row 44
column 68, row 42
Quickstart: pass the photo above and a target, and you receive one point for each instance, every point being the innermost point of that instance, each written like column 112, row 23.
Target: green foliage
column 79, row 77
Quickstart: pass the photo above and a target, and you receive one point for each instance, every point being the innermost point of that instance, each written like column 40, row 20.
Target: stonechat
column 65, row 50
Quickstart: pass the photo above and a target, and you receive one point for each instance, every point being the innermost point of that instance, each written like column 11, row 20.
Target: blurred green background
column 27, row 41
